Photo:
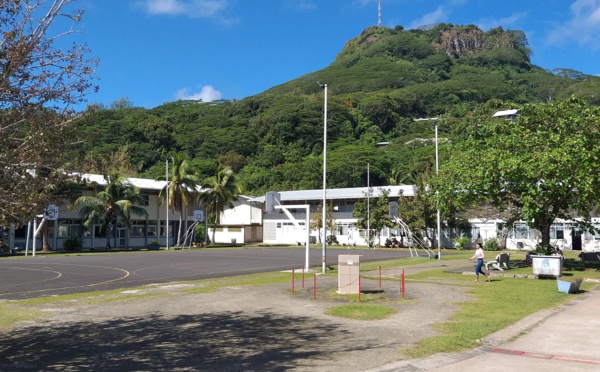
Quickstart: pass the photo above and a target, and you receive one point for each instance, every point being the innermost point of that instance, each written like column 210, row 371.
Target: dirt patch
column 232, row 329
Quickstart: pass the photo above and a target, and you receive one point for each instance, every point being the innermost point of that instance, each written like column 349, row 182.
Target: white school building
column 250, row 222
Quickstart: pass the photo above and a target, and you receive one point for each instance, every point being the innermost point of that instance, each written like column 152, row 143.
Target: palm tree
column 115, row 203
column 218, row 192
column 182, row 186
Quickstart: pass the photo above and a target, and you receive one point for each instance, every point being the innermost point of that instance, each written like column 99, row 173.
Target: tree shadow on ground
column 206, row 342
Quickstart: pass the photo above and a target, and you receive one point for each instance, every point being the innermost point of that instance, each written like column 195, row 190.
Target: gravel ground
column 242, row 328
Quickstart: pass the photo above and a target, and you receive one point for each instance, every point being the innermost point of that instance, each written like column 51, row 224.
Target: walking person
column 479, row 255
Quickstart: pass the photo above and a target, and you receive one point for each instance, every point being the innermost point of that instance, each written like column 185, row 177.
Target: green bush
column 199, row 233
column 491, row 245
column 332, row 239
column 462, row 243
column 73, row 244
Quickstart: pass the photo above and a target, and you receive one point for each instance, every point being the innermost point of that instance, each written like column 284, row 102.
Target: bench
column 501, row 260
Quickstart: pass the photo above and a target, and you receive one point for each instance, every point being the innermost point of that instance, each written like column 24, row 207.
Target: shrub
column 547, row 250
column 491, row 245
column 72, row 244
column 199, row 233
column 332, row 239
column 462, row 243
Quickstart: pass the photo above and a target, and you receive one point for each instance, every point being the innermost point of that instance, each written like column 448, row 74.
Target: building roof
column 500, row 114
column 140, row 183
column 339, row 194
column 296, row 195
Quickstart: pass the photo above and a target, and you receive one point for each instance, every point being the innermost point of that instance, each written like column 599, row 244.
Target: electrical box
column 348, row 274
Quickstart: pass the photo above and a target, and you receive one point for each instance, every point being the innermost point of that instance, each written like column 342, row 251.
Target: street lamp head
column 323, row 86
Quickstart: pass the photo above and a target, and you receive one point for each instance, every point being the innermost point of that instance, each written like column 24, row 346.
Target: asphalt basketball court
column 55, row 274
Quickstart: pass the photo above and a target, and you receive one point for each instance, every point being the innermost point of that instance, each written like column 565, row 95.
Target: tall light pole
column 368, row 207
column 167, row 197
column 324, row 86
column 437, row 172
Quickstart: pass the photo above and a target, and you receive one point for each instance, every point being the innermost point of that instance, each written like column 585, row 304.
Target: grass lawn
column 499, row 304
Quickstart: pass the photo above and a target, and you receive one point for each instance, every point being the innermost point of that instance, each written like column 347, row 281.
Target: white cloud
column 488, row 23
column 163, row 6
column 206, row 94
column 437, row 16
column 190, row 8
column 583, row 26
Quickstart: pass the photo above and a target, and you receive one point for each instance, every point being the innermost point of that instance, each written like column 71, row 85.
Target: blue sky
column 157, row 51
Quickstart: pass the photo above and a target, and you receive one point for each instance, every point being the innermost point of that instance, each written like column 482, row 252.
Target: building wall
column 69, row 224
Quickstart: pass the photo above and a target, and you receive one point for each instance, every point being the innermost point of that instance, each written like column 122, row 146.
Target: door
column 576, row 242
column 121, row 237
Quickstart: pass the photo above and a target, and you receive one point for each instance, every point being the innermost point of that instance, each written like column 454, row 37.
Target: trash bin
column 233, row 241
column 547, row 266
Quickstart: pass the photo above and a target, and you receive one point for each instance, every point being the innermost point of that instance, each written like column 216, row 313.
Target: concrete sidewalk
column 565, row 339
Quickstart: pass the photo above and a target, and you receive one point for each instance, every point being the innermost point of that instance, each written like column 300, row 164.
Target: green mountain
column 378, row 84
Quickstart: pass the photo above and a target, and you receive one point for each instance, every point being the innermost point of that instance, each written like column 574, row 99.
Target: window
column 152, row 229
column 21, row 232
column 138, row 228
column 519, row 231
column 163, row 230
column 590, row 236
column 68, row 228
column 393, row 209
column 557, row 231
column 475, row 233
column 345, row 229
column 99, row 232
column 145, row 198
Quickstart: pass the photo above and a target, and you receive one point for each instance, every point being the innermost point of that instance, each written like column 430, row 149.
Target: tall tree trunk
column 181, row 212
column 45, row 245
column 545, row 231
column 108, row 235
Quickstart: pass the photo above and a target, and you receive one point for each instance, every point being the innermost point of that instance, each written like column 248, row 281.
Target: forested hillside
column 378, row 84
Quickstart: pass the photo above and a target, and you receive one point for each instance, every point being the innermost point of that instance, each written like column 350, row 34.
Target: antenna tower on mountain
column 379, row 15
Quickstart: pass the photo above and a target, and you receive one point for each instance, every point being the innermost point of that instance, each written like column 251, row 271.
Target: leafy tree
column 233, row 160
column 182, row 188
column 123, row 102
column 540, row 167
column 420, row 212
column 40, row 82
column 374, row 212
column 218, row 192
column 113, row 203
column 316, row 221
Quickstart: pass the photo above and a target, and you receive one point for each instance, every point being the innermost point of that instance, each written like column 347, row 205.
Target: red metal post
column 379, row 277
column 359, row 288
column 402, row 284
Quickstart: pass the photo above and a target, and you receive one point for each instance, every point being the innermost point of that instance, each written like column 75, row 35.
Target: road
column 49, row 275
